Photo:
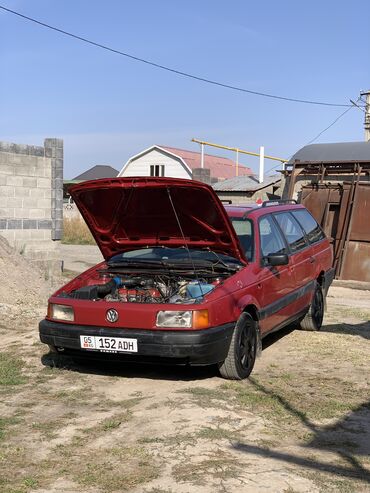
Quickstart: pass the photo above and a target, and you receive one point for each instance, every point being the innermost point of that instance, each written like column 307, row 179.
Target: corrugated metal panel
column 343, row 210
column 244, row 184
column 339, row 152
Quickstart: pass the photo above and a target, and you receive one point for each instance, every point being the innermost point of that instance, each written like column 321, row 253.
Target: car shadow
column 362, row 329
column 348, row 437
column 270, row 339
column 151, row 371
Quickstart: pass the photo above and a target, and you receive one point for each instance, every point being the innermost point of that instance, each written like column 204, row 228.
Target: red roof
column 221, row 167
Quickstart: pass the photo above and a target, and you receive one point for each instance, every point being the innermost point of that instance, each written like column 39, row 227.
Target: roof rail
column 270, row 203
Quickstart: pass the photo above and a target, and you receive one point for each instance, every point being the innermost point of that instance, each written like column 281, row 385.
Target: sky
column 107, row 107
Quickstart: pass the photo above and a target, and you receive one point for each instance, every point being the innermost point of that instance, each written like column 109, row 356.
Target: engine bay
column 144, row 288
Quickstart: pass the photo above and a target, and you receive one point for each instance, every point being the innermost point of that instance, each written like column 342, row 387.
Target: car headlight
column 196, row 319
column 61, row 312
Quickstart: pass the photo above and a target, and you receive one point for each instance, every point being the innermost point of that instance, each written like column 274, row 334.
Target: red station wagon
column 186, row 280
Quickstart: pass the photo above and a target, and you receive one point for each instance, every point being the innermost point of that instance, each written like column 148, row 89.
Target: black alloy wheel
column 242, row 351
column 315, row 315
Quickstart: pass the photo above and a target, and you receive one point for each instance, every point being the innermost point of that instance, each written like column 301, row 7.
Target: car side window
column 271, row 239
column 244, row 230
column 311, row 227
column 291, row 230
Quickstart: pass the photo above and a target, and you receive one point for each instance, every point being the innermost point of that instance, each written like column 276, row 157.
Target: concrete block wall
column 31, row 197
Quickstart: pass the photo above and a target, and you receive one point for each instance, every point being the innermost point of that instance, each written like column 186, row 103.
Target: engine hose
column 109, row 287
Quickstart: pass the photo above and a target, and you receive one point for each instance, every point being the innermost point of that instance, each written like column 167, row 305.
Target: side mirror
column 277, row 259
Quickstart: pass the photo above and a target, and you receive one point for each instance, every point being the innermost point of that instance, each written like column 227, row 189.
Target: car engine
column 145, row 289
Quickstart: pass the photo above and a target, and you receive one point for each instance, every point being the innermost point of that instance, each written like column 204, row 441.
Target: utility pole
column 366, row 94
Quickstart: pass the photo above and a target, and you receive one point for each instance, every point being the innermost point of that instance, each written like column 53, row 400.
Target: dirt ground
column 301, row 423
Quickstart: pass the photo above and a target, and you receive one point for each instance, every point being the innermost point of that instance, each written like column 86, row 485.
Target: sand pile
column 23, row 287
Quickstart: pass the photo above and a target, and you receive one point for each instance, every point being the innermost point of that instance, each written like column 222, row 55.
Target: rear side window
column 291, row 230
column 270, row 237
column 311, row 228
column 244, row 231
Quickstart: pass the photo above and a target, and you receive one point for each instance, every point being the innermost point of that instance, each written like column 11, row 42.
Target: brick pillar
column 54, row 150
column 202, row 174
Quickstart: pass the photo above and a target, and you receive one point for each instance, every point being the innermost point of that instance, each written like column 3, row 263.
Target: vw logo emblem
column 112, row 315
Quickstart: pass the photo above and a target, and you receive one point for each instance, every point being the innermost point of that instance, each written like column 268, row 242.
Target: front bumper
column 202, row 347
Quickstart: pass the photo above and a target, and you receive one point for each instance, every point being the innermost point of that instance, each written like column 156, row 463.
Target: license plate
column 109, row 344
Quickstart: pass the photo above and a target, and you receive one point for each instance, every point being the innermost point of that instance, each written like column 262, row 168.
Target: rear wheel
column 242, row 351
column 314, row 317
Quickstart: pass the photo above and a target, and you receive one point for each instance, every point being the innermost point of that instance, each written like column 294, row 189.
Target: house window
column 157, row 170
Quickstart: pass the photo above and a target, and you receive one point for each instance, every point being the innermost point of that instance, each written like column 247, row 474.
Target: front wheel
column 315, row 315
column 240, row 359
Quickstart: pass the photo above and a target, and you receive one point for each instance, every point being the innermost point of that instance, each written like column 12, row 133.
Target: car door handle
column 312, row 260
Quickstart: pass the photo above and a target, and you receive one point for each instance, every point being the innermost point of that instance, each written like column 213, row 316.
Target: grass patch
column 5, row 423
column 219, row 466
column 11, row 370
column 76, row 232
column 219, row 433
column 118, row 469
column 206, row 398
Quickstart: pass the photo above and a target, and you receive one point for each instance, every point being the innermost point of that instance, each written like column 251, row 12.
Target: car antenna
column 185, row 242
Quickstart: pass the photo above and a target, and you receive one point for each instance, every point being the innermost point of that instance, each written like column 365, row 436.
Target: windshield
column 165, row 255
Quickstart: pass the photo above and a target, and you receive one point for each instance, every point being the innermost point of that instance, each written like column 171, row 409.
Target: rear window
column 292, row 231
column 310, row 226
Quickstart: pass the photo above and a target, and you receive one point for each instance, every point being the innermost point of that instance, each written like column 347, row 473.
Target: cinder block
column 43, row 183
column 3, row 223
column 6, row 191
column 3, row 158
column 47, row 171
column 15, row 224
column 6, row 169
column 15, row 181
column 47, row 213
column 38, row 192
column 14, row 202
column 43, row 203
column 6, row 213
column 3, row 202
column 29, row 223
column 20, row 213
column 44, row 224
column 21, row 234
column 47, row 194
column 2, row 178
column 15, row 159
column 8, row 235
column 29, row 182
column 21, row 192
column 37, row 234
column 30, row 202
column 24, row 170
column 37, row 214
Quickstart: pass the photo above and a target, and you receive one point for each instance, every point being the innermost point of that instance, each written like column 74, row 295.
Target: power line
column 333, row 123
column 168, row 69
column 325, row 129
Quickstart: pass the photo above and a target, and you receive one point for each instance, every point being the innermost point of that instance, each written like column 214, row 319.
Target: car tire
column 242, row 351
column 314, row 317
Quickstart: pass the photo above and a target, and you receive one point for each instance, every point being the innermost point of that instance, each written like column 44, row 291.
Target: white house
column 179, row 163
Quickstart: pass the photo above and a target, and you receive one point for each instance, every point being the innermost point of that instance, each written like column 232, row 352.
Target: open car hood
column 128, row 213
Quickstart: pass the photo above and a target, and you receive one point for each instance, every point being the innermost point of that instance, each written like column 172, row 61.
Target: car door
column 302, row 259
column 275, row 284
